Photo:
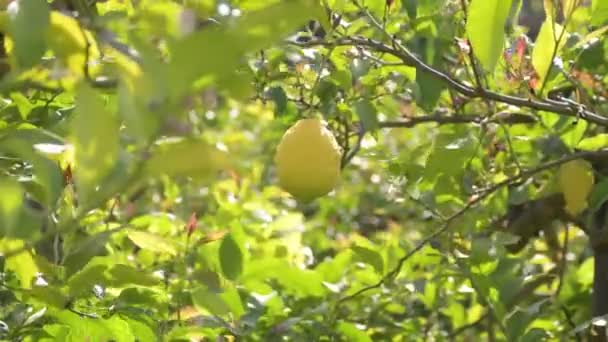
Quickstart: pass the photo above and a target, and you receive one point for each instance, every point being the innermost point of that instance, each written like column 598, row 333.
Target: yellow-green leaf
column 193, row 158
column 542, row 55
column 485, row 29
column 11, row 201
column 96, row 142
column 22, row 264
column 152, row 242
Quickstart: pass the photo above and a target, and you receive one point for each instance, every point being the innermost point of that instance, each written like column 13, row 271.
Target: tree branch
column 398, row 50
column 505, row 118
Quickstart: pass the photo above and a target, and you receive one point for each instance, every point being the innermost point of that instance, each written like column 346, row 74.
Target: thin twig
column 409, row 59
column 505, row 118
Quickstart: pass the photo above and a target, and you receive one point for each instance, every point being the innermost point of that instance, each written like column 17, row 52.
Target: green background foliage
column 139, row 200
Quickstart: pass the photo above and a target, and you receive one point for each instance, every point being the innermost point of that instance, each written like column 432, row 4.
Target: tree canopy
column 139, row 194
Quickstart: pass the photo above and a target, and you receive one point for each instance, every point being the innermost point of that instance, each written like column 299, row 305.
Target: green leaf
column 593, row 143
column 293, row 279
column 23, row 104
column 28, row 29
column 49, row 295
column 152, row 242
column 209, row 301
column 46, row 172
column 83, row 281
column 143, row 331
column 544, row 47
column 599, row 12
column 429, row 90
column 367, row 114
column 535, row 334
column 351, row 333
column 516, row 324
column 22, row 263
column 122, row 275
column 369, row 257
column 11, row 202
column 231, row 258
column 96, row 143
column 217, row 52
column 193, row 158
column 485, row 29
column 91, row 247
column 277, row 94
column 598, row 195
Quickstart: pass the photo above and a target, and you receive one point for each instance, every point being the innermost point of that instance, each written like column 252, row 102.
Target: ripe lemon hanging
column 576, row 182
column 308, row 160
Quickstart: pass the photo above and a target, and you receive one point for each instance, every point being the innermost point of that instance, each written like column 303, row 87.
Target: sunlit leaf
column 192, row 158
column 546, row 48
column 152, row 242
column 485, row 29
column 96, row 143
column 22, row 263
column 11, row 202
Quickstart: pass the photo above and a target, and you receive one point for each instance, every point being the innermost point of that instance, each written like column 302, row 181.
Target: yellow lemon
column 308, row 160
column 576, row 182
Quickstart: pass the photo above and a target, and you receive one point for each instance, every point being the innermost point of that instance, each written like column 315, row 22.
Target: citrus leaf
column 593, row 143
column 231, row 258
column 96, row 144
column 91, row 247
column 28, row 30
column 11, row 201
column 22, row 264
column 369, row 257
column 206, row 300
column 185, row 158
column 123, row 275
column 599, row 12
column 542, row 55
column 485, row 29
column 152, row 242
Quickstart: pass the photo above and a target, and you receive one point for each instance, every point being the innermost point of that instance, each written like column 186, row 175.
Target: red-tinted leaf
column 191, row 225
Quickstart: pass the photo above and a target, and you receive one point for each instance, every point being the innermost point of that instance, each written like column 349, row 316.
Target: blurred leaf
column 369, row 257
column 185, row 158
column 598, row 195
column 122, row 275
column 593, row 143
column 22, row 263
column 49, row 295
column 367, row 114
column 96, row 143
column 485, row 28
column 351, row 333
column 599, row 12
column 545, row 45
column 82, row 282
column 277, row 94
column 231, row 258
column 11, row 202
column 152, row 242
column 28, row 30
column 293, row 279
column 90, row 247
column 253, row 31
column 206, row 300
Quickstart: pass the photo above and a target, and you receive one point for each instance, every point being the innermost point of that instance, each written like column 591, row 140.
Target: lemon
column 308, row 160
column 576, row 182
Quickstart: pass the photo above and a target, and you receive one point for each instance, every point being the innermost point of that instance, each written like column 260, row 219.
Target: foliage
column 139, row 197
